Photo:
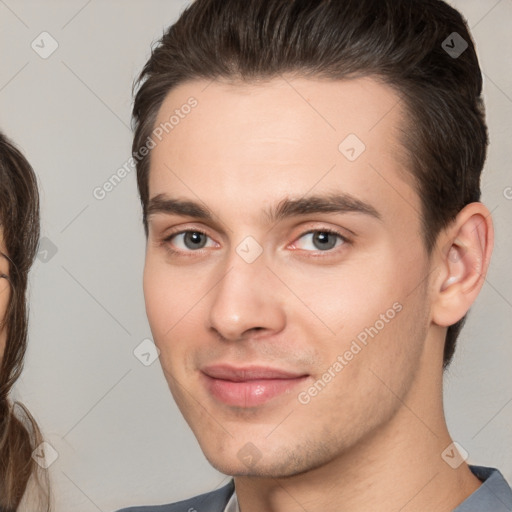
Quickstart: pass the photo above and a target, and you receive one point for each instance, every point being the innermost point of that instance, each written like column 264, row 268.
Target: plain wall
column 120, row 438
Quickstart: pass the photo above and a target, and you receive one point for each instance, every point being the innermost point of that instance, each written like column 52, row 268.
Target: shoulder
column 214, row 501
column 493, row 495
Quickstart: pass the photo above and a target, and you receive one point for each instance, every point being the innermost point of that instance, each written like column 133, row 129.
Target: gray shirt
column 494, row 495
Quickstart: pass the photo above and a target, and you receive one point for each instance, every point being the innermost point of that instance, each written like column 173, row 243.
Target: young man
column 309, row 174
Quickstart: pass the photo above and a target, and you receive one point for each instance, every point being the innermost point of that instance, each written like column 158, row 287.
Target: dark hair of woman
column 21, row 478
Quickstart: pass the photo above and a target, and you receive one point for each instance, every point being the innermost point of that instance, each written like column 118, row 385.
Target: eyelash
column 316, row 254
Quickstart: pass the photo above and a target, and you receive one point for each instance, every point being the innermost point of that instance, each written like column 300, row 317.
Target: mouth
column 248, row 386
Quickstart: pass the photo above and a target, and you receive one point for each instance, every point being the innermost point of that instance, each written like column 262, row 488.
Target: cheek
column 168, row 295
column 172, row 297
column 391, row 340
column 339, row 302
column 368, row 311
column 361, row 384
column 156, row 298
column 5, row 293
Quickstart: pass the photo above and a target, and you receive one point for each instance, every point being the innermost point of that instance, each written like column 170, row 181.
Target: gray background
column 119, row 436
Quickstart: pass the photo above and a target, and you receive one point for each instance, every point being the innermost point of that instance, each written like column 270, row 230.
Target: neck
column 398, row 467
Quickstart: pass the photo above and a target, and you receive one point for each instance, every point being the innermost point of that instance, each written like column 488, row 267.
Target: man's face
column 286, row 339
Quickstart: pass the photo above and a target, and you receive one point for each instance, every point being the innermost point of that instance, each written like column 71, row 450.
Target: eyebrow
column 331, row 203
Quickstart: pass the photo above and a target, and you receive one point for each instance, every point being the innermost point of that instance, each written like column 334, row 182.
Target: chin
column 258, row 470
column 269, row 462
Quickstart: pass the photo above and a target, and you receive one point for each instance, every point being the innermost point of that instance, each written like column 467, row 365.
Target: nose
column 246, row 300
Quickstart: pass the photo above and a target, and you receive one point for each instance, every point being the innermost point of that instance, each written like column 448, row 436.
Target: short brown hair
column 401, row 42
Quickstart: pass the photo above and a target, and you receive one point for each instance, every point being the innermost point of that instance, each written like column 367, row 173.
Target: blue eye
column 321, row 240
column 188, row 240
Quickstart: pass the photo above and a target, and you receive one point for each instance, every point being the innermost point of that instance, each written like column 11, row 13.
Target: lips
column 248, row 386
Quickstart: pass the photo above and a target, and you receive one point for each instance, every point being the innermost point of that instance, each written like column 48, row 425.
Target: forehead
column 253, row 142
column 291, row 110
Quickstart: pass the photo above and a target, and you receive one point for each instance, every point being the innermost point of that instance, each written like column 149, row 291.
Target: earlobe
column 463, row 263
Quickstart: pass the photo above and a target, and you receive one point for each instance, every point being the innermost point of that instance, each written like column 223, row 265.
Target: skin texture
column 372, row 438
column 5, row 293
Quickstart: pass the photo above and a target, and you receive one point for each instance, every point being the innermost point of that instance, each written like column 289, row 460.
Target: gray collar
column 494, row 495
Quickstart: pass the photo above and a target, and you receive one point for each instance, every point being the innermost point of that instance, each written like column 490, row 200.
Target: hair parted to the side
column 396, row 41
column 19, row 434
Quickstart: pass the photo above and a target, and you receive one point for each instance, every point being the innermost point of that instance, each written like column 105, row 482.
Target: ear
column 463, row 257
